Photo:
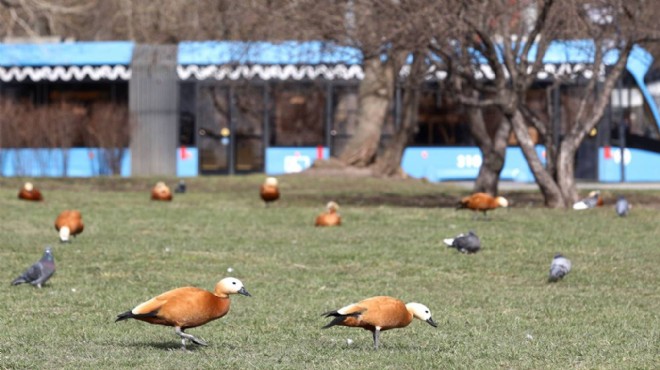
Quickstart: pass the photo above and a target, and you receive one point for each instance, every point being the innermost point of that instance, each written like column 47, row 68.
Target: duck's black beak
column 432, row 323
column 244, row 292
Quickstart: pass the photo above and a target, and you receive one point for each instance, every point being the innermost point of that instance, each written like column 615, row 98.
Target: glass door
column 214, row 129
column 249, row 113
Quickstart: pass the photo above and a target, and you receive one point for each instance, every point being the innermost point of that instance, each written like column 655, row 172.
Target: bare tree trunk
column 566, row 170
column 493, row 150
column 551, row 191
column 375, row 94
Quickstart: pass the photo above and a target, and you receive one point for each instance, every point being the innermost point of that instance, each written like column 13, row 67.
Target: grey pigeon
column 39, row 272
column 622, row 207
column 559, row 267
column 465, row 243
column 181, row 187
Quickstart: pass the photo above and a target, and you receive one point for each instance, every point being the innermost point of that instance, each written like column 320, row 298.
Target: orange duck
column 482, row 202
column 69, row 223
column 161, row 192
column 269, row 191
column 29, row 192
column 330, row 217
column 378, row 314
column 187, row 307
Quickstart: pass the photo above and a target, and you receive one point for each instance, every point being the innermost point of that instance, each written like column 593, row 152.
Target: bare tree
column 625, row 28
column 461, row 55
column 413, row 36
column 387, row 33
column 511, row 47
column 167, row 21
column 370, row 25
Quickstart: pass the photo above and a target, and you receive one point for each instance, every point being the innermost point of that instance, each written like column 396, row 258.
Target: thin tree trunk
column 551, row 191
column 375, row 94
column 493, row 150
column 566, row 171
column 594, row 110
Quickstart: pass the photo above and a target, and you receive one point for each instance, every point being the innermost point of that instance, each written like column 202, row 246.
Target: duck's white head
column 271, row 181
column 28, row 186
column 160, row 185
column 502, row 202
column 419, row 311
column 332, row 206
column 230, row 285
column 594, row 193
column 64, row 234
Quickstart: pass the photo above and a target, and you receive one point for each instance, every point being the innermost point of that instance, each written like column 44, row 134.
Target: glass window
column 299, row 115
column 249, row 127
column 628, row 105
column 187, row 114
column 441, row 121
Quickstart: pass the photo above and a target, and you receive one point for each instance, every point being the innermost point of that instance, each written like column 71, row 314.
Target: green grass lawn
column 494, row 309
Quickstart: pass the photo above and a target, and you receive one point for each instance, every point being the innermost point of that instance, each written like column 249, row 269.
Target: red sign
column 184, row 153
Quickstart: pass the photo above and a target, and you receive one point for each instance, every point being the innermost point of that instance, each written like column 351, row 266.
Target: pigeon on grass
column 39, row 272
column 180, row 187
column 465, row 243
column 622, row 207
column 559, row 267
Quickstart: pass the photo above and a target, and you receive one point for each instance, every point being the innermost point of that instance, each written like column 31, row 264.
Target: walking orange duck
column 482, row 202
column 187, row 307
column 378, row 314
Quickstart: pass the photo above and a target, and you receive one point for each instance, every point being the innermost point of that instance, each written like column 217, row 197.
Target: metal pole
column 328, row 117
column 599, row 136
column 232, row 129
column 265, row 139
column 622, row 132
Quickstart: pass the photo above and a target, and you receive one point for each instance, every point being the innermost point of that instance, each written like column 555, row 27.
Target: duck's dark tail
column 124, row 316
column 338, row 318
column 130, row 315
